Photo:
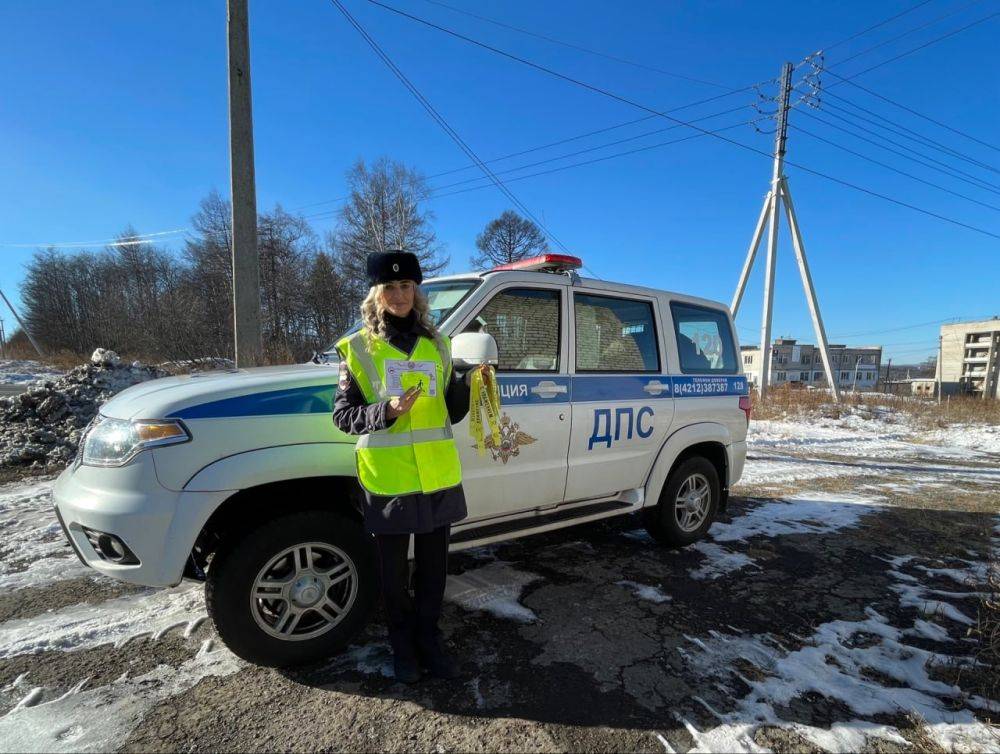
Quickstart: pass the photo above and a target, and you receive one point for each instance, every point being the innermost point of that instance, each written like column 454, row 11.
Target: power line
column 902, row 130
column 959, row 175
column 440, row 120
column 910, row 110
column 627, row 101
column 136, row 239
column 580, row 48
column 896, row 38
column 598, row 147
column 893, row 169
column 876, row 26
column 569, row 139
column 915, row 49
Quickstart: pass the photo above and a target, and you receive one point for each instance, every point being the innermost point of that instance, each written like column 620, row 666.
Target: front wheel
column 295, row 590
column 687, row 504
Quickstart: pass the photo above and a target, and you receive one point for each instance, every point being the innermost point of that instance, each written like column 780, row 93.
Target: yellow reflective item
column 486, row 398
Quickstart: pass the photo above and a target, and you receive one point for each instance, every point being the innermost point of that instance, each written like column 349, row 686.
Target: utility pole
column 246, row 269
column 778, row 195
column 857, row 363
column 24, row 327
column 939, row 372
column 888, row 378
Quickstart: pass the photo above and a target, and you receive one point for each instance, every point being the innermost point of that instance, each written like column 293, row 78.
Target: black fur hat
column 393, row 265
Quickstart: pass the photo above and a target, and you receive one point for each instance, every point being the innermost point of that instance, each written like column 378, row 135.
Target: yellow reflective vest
column 417, row 452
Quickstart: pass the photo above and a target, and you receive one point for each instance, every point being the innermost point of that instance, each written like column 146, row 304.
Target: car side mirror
column 472, row 348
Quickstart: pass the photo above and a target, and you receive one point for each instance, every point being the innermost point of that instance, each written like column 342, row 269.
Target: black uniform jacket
column 417, row 512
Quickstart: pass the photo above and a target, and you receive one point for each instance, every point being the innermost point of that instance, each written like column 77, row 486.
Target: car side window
column 525, row 323
column 614, row 334
column 704, row 340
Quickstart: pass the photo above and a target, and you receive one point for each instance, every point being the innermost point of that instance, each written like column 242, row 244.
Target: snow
column 494, row 588
column 645, row 591
column 26, row 372
column 69, row 723
column 115, row 621
column 31, row 533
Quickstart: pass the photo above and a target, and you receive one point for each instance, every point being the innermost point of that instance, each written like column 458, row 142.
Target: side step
column 504, row 529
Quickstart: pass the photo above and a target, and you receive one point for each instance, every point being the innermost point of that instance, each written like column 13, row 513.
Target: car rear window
column 704, row 340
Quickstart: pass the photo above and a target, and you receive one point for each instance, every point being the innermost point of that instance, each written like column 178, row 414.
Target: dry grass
column 785, row 401
column 987, row 635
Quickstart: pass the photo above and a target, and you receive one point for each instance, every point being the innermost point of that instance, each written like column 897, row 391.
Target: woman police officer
column 407, row 460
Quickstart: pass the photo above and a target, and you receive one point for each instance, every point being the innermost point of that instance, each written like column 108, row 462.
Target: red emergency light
column 544, row 263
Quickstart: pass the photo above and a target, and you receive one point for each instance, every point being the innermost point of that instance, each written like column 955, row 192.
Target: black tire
column 661, row 520
column 239, row 560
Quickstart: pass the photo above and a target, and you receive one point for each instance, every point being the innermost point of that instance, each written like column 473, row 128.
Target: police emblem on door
column 511, row 440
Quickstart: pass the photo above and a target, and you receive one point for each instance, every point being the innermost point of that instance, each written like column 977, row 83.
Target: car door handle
column 548, row 389
column 655, row 387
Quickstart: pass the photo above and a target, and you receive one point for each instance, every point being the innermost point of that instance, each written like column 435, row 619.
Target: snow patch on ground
column 116, row 621
column 834, row 663
column 809, row 513
column 30, row 535
column 495, row 588
column 26, row 371
column 100, row 719
column 645, row 591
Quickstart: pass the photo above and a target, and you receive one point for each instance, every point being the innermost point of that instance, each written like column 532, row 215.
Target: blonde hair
column 373, row 312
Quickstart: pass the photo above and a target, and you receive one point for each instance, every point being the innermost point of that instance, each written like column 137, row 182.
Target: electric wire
column 876, row 26
column 896, row 38
column 627, row 101
column 440, row 120
column 849, row 80
column 577, row 47
column 887, row 166
column 934, row 164
column 133, row 240
column 901, row 130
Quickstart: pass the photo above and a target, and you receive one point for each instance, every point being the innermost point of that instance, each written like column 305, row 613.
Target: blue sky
column 115, row 113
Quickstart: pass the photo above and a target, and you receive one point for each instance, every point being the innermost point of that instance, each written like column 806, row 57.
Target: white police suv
column 615, row 399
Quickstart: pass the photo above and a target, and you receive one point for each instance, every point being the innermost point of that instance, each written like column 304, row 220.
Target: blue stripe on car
column 515, row 390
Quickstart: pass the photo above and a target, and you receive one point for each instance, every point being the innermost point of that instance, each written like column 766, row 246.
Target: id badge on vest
column 401, row 375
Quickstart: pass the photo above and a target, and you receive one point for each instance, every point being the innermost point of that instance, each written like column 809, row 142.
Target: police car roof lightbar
column 543, row 263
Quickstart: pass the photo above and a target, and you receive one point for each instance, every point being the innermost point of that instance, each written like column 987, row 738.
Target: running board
column 540, row 522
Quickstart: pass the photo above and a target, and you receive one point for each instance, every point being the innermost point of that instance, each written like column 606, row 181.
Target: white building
column 970, row 358
column 854, row 368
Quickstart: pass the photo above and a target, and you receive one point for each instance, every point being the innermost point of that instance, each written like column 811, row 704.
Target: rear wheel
column 293, row 591
column 687, row 505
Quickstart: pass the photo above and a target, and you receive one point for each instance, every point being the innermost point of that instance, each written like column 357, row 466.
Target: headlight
column 114, row 442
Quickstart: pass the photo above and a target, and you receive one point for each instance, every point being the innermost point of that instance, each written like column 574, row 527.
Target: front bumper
column 158, row 525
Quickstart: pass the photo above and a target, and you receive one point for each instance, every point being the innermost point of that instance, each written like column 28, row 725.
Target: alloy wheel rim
column 304, row 591
column 692, row 502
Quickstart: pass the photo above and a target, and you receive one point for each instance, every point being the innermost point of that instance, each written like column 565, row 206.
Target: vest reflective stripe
column 387, row 440
column 360, row 352
column 417, row 452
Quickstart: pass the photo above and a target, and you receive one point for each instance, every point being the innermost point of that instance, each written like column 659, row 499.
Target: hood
column 225, row 392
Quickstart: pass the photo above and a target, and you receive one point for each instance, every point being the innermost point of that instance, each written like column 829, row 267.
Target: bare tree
column 508, row 238
column 384, row 210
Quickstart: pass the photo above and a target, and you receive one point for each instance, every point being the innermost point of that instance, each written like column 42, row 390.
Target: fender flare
column 279, row 463
column 677, row 443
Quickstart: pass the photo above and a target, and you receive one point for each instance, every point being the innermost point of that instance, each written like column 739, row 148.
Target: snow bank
column 42, row 426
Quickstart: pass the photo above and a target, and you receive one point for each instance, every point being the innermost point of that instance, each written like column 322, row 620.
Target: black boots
column 421, row 645
column 404, row 654
column 432, row 654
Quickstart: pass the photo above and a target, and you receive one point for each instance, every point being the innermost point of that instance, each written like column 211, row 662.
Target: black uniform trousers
column 430, row 555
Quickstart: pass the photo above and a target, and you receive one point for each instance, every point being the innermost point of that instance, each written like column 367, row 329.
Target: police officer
column 407, row 461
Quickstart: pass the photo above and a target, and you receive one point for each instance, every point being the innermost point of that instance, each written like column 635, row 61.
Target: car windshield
column 442, row 298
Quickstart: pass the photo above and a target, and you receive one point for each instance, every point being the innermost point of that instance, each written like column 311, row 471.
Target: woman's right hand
column 401, row 404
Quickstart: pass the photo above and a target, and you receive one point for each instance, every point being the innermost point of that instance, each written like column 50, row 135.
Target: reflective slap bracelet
column 487, row 398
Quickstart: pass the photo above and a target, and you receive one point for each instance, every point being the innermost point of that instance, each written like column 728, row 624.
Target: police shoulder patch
column 344, row 379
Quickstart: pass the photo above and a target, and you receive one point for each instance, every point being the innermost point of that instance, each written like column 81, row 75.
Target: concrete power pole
column 778, row 195
column 246, row 269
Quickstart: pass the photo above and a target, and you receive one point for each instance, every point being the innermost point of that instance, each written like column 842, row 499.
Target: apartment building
column 793, row 362
column 970, row 358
